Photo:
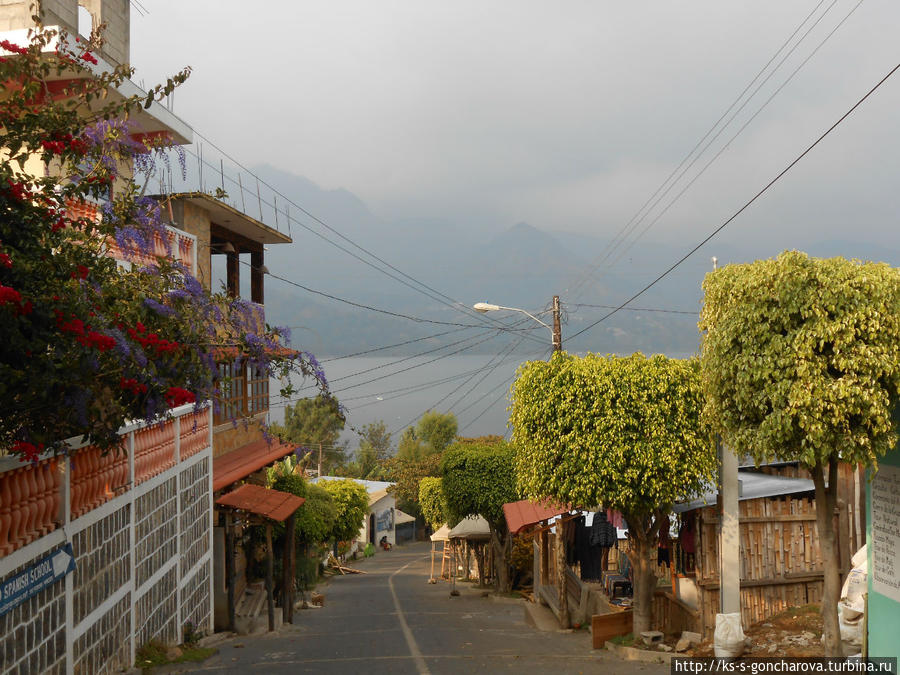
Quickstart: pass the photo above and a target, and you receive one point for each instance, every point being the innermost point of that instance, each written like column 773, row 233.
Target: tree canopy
column 619, row 431
column 433, row 432
column 352, row 503
column 478, row 479
column 801, row 357
column 314, row 421
column 432, row 502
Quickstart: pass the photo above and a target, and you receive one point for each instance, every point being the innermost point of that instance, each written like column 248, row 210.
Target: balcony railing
column 36, row 499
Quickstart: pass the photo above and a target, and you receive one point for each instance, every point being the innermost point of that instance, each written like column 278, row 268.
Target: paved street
column 391, row 620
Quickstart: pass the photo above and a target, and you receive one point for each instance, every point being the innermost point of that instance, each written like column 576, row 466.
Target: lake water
column 398, row 389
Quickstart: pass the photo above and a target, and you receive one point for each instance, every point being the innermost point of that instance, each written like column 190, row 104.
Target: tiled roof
column 237, row 464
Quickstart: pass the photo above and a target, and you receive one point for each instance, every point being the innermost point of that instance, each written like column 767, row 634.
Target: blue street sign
column 46, row 571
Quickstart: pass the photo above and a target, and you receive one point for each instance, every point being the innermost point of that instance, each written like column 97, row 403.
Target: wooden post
column 561, row 573
column 544, row 544
column 229, row 568
column 287, row 576
column 269, row 595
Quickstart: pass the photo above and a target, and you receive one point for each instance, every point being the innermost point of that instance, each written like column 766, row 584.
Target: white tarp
column 473, row 527
column 443, row 533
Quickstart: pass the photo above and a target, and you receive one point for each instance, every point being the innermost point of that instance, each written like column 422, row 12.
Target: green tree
column 352, row 503
column 478, row 479
column 432, row 502
column 801, row 361
column 433, row 432
column 437, row 430
column 314, row 423
column 374, row 447
column 621, row 432
column 406, row 475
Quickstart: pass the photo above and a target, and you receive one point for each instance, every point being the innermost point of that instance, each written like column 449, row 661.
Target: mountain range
column 440, row 269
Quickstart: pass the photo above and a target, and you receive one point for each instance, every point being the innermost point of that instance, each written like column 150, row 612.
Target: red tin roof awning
column 520, row 515
column 237, row 464
column 271, row 504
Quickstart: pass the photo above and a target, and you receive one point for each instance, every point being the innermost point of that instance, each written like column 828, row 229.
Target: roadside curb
column 642, row 655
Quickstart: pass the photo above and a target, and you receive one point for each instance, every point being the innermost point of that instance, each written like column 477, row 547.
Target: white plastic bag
column 728, row 640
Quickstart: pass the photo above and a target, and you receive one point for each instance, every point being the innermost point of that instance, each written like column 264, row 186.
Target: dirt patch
column 797, row 631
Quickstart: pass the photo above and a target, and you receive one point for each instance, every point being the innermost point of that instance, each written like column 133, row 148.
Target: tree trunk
column 500, row 541
column 644, row 582
column 826, row 500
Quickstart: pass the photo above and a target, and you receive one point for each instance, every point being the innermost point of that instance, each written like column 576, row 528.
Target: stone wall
column 33, row 636
column 143, row 562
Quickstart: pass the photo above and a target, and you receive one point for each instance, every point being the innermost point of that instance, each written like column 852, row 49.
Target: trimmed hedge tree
column 623, row 432
column 479, row 478
column 801, row 361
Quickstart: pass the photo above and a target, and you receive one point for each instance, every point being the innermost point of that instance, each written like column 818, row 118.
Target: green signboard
column 883, row 539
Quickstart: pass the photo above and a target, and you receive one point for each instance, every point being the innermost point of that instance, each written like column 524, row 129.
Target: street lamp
column 555, row 332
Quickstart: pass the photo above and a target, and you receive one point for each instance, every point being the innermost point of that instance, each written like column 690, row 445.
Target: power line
column 398, row 344
column 494, row 402
column 637, row 218
column 447, row 300
column 744, row 207
column 737, row 133
column 637, row 309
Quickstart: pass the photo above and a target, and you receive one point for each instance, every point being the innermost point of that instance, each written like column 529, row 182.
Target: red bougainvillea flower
column 29, row 451
column 9, row 296
column 176, row 396
column 12, row 47
column 132, row 385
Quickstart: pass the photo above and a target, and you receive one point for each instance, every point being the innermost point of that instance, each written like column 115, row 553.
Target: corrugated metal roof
column 271, row 504
column 523, row 513
column 753, row 486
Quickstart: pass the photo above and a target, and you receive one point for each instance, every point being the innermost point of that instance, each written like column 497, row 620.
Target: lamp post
column 555, row 331
column 556, row 338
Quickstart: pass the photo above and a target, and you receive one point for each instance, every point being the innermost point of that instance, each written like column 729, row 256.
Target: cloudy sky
column 567, row 115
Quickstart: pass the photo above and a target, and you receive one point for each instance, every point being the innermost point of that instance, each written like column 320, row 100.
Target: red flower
column 176, row 396
column 29, row 451
column 81, row 272
column 9, row 296
column 12, row 47
column 59, row 224
column 132, row 385
column 87, row 56
column 5, row 260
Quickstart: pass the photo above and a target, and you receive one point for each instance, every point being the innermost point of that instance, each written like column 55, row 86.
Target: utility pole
column 729, row 526
column 557, row 331
column 320, row 459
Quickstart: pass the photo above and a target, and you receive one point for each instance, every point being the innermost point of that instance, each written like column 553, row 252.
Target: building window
column 244, row 391
column 257, row 391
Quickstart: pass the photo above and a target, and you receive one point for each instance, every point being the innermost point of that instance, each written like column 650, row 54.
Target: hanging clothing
column 616, row 519
column 662, row 550
column 603, row 533
column 589, row 555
